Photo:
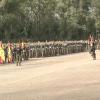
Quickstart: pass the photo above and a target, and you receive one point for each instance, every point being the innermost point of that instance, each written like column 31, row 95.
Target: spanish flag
column 9, row 55
column 2, row 55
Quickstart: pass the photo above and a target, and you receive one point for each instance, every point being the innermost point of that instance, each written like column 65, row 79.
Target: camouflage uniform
column 18, row 55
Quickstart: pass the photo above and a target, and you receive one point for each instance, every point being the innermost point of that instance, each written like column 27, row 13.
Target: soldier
column 14, row 53
column 18, row 55
column 27, row 52
column 90, row 39
column 23, row 51
column 42, row 50
column 92, row 45
column 93, row 48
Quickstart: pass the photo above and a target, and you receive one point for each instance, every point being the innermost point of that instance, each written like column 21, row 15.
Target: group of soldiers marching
column 16, row 53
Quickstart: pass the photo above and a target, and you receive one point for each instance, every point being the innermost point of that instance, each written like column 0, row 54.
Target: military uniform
column 18, row 55
column 93, row 48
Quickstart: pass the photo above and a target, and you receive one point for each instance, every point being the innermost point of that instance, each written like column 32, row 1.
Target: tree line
column 49, row 19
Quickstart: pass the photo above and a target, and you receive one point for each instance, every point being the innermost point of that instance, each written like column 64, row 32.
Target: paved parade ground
column 69, row 77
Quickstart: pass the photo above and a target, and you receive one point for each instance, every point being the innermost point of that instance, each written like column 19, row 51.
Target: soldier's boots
column 18, row 64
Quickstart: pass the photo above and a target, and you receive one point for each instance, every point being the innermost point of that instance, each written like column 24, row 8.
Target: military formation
column 16, row 53
column 48, row 49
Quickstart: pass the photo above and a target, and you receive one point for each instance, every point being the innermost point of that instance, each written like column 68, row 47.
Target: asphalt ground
column 69, row 77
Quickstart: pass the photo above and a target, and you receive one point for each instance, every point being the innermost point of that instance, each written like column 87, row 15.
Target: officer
column 93, row 48
column 23, row 50
column 90, row 39
column 42, row 50
column 18, row 55
column 14, row 53
column 27, row 52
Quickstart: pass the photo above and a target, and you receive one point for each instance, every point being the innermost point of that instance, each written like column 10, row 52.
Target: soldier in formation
column 47, row 49
column 16, row 53
column 92, row 46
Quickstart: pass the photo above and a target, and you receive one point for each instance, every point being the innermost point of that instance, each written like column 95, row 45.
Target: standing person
column 14, row 53
column 27, row 52
column 92, row 46
column 23, row 51
column 18, row 55
column 90, row 41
